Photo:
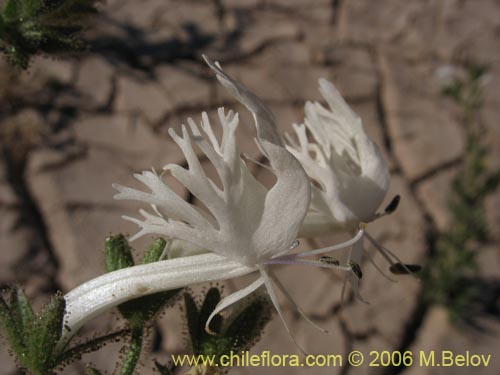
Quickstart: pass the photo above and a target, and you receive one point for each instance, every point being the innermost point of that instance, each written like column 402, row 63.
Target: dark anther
column 329, row 260
column 404, row 269
column 356, row 269
column 391, row 207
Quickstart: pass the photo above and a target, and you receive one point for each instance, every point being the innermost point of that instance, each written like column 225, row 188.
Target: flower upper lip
column 245, row 221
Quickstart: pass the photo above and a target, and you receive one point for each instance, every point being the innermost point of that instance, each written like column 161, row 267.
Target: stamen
column 384, row 251
column 329, row 260
column 356, row 269
column 372, row 261
column 274, row 300
column 294, row 245
column 290, row 299
column 391, row 207
column 396, row 266
column 305, row 262
column 404, row 269
column 328, row 249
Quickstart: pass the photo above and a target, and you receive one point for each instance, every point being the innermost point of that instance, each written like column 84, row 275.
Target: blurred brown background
column 71, row 127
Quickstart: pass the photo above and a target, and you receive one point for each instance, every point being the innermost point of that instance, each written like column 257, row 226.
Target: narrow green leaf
column 89, row 346
column 12, row 10
column 212, row 298
column 247, row 326
column 11, row 331
column 46, row 332
column 193, row 318
column 155, row 250
column 93, row 371
column 139, row 311
column 117, row 253
column 162, row 369
column 21, row 311
column 134, row 352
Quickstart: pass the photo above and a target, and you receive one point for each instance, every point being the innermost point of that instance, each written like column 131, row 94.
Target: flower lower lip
column 109, row 290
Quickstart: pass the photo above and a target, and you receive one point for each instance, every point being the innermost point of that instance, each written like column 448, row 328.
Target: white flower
column 352, row 175
column 246, row 227
column 349, row 174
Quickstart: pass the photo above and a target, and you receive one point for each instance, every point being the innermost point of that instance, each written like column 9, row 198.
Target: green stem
column 134, row 351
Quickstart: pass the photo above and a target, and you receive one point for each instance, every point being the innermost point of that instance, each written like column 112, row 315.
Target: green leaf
column 91, row 345
column 11, row 330
column 163, row 370
column 46, row 332
column 155, row 251
column 12, row 10
column 134, row 352
column 30, row 27
column 193, row 318
column 21, row 311
column 212, row 298
column 141, row 310
column 117, row 253
column 93, row 371
column 247, row 326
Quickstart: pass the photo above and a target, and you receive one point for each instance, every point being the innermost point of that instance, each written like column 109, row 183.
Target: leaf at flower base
column 242, row 331
column 404, row 269
column 46, row 332
column 203, row 342
column 155, row 251
column 162, row 369
column 30, row 27
column 141, row 310
column 193, row 319
column 117, row 253
column 12, row 10
column 10, row 329
column 212, row 298
column 246, row 326
column 92, row 345
column 21, row 311
column 93, row 371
